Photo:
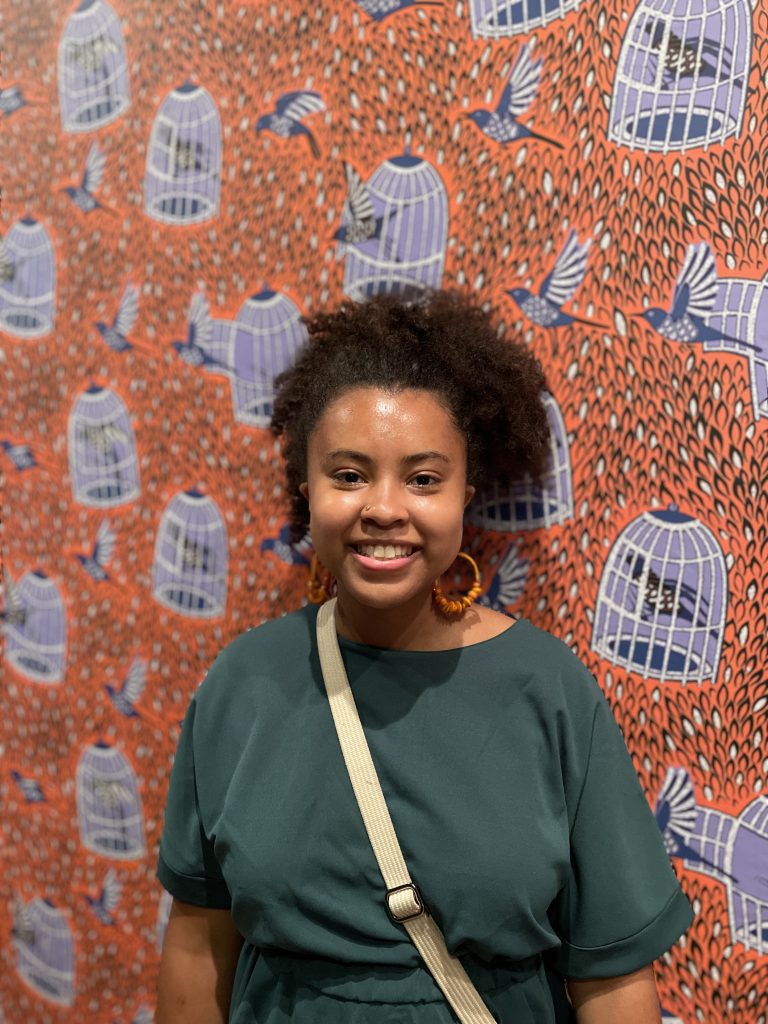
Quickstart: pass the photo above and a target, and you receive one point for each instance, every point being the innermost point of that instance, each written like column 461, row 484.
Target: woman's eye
column 348, row 476
column 424, row 480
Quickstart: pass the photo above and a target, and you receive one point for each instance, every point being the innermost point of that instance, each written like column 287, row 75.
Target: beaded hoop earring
column 319, row 583
column 453, row 607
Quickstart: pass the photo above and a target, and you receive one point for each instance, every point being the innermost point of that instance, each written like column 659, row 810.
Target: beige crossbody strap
column 403, row 900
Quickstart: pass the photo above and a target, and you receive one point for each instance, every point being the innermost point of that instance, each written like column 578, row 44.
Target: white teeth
column 385, row 551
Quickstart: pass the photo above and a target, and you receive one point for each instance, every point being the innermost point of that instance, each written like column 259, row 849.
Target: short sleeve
column 187, row 866
column 622, row 906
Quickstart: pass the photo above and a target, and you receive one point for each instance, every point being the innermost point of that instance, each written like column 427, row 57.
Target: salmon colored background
column 650, row 421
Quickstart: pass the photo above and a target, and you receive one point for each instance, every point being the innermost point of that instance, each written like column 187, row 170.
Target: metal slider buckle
column 417, row 899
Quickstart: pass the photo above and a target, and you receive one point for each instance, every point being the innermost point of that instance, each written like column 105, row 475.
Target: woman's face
column 387, row 491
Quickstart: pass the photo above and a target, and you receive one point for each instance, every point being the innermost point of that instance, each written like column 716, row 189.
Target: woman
column 512, row 794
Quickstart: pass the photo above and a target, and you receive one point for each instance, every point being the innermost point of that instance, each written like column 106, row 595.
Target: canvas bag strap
column 403, row 900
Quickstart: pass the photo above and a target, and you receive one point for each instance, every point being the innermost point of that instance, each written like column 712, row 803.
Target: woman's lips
column 384, row 564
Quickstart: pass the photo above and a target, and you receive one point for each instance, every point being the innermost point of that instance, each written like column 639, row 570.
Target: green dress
column 519, row 812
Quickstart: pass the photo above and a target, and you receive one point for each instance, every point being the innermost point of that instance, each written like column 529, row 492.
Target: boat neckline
column 344, row 642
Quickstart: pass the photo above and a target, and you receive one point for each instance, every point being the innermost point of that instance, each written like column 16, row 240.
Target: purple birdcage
column 45, row 951
column 189, row 573
column 498, row 19
column 740, row 313
column 264, row 340
column 182, row 184
column 28, row 285
column 406, row 252
column 662, row 599
column 36, row 629
column 102, row 450
column 529, row 504
column 733, row 850
column 108, row 804
column 93, row 69
column 681, row 78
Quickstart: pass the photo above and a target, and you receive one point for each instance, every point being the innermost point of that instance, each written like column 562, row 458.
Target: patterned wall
column 181, row 183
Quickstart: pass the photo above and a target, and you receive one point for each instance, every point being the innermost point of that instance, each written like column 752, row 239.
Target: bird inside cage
column 89, row 56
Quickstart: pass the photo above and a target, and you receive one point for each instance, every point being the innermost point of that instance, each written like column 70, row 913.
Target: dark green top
column 518, row 809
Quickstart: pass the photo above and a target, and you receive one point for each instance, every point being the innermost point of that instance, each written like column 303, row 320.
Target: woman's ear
column 469, row 493
column 304, row 490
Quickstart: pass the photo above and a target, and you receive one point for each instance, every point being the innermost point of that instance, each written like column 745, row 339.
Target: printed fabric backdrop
column 182, row 183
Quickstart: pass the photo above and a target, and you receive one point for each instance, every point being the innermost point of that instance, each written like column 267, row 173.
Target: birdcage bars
column 93, row 74
column 740, row 312
column 28, row 285
column 264, row 340
column 529, row 504
column 182, row 184
column 36, row 644
column 47, row 962
column 681, row 77
column 745, row 877
column 103, row 464
column 189, row 573
column 498, row 19
column 407, row 251
column 663, row 565
column 108, row 804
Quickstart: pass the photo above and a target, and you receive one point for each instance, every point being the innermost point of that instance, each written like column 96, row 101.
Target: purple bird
column 101, row 553
column 194, row 349
column 508, row 582
column 82, row 195
column 363, row 225
column 502, row 124
column 692, row 301
column 126, row 697
column 285, row 120
column 21, row 455
column 293, row 553
column 31, row 789
column 11, row 100
column 558, row 287
column 115, row 334
column 105, row 903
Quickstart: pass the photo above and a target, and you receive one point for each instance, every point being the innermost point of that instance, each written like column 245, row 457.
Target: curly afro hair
column 441, row 342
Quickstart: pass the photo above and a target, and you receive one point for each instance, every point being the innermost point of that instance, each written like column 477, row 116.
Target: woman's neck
column 414, row 626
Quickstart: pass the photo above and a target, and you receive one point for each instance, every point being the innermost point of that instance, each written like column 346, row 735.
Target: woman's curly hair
column 443, row 343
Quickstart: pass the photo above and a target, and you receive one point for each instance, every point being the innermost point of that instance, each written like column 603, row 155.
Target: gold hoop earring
column 453, row 607
column 319, row 583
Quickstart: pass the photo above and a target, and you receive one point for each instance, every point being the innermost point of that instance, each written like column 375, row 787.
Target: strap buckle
column 404, row 903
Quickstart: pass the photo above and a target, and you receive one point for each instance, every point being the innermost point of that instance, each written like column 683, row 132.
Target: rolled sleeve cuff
column 634, row 951
column 211, row 893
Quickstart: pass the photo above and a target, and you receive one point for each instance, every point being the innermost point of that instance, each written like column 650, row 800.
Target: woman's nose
column 383, row 506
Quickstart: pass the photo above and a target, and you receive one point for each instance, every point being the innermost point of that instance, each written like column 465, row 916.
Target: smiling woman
column 506, row 778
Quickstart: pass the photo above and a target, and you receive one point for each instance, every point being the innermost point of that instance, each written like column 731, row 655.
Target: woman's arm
column 629, row 998
column 197, row 968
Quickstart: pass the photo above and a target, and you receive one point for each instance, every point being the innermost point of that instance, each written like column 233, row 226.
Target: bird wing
column 135, row 681
column 6, row 262
column 200, row 318
column 304, row 547
column 111, row 890
column 104, row 547
column 512, row 574
column 568, row 271
column 94, row 168
column 696, row 285
column 127, row 311
column 21, row 919
column 522, row 86
column 296, row 105
column 360, row 204
column 677, row 802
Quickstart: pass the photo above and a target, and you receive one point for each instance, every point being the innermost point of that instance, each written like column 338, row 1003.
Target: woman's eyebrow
column 407, row 460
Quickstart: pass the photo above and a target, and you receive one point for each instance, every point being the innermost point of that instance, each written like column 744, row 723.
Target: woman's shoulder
column 273, row 647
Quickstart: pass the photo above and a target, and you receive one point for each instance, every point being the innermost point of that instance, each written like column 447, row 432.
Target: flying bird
column 378, row 10
column 98, row 558
column 23, row 457
column 692, row 301
column 106, row 902
column 364, row 225
column 558, row 287
column 285, row 120
column 503, row 124
column 508, row 582
column 31, row 789
column 291, row 552
column 15, row 611
column 128, row 695
column 82, row 195
column 115, row 334
column 676, row 814
column 11, row 100
column 194, row 349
